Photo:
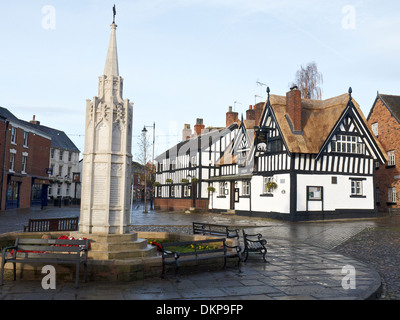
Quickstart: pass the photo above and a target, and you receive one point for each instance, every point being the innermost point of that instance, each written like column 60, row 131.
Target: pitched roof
column 58, row 138
column 392, row 103
column 195, row 144
column 318, row 119
column 8, row 115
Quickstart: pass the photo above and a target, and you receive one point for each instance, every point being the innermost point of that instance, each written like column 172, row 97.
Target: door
column 12, row 200
column 232, row 196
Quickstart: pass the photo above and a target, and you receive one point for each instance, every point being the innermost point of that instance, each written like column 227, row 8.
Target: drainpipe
column 4, row 166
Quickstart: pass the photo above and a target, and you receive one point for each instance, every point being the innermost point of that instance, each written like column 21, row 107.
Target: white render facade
column 63, row 163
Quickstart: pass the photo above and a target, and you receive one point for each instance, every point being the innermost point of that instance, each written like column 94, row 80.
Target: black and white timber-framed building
column 305, row 160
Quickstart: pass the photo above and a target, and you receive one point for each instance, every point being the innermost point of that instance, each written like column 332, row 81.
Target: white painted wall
column 336, row 196
column 280, row 202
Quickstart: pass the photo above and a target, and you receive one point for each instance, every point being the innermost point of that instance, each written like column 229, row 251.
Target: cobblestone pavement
column 379, row 246
column 303, row 264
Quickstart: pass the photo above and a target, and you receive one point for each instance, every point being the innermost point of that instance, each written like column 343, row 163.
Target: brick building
column 384, row 119
column 64, row 163
column 25, row 153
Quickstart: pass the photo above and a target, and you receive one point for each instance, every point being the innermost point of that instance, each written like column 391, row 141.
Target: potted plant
column 271, row 186
column 184, row 180
column 156, row 184
column 168, row 180
column 211, row 189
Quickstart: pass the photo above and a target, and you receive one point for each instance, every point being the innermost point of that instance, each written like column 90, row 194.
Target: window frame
column 375, row 128
column 357, row 187
column 246, row 188
column 392, row 195
column 391, row 158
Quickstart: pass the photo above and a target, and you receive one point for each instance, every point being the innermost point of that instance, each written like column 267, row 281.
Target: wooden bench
column 215, row 229
column 216, row 248
column 53, row 224
column 254, row 243
column 46, row 251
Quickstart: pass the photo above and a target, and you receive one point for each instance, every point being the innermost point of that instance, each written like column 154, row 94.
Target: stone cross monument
column 107, row 158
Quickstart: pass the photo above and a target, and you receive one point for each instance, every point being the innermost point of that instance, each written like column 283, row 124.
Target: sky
column 188, row 59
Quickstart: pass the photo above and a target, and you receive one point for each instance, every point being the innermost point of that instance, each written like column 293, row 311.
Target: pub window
column 186, row 191
column 246, row 188
column 274, row 145
column 348, row 144
column 269, row 185
column 61, row 155
column 222, row 188
column 356, row 187
column 52, row 153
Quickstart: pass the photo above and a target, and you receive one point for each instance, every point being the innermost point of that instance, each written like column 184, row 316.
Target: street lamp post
column 152, row 161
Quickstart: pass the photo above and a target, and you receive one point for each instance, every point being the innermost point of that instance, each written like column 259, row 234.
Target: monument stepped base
column 117, row 246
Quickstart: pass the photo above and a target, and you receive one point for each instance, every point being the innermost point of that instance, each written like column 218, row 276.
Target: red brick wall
column 389, row 137
column 37, row 161
column 165, row 204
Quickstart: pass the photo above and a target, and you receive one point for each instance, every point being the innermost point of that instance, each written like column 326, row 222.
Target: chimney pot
column 33, row 121
column 199, row 126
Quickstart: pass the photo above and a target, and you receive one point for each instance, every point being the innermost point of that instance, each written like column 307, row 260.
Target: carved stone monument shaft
column 107, row 156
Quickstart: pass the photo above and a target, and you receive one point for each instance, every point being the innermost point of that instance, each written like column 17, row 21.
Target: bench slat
column 49, row 248
column 48, row 251
column 52, row 241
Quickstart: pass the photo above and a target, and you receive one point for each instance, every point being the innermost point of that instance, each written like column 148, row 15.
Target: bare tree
column 308, row 80
column 143, row 157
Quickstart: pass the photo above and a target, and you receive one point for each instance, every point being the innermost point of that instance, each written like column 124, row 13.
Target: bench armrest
column 238, row 248
column 170, row 253
column 8, row 248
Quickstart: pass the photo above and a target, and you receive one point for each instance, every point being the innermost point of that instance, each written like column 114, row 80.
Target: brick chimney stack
column 293, row 108
column 199, row 126
column 251, row 113
column 34, row 121
column 186, row 132
column 231, row 117
column 258, row 111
